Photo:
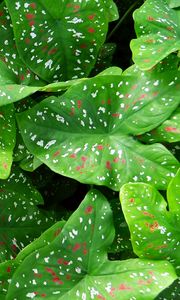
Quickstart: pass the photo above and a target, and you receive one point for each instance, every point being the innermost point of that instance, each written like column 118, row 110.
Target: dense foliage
column 81, row 119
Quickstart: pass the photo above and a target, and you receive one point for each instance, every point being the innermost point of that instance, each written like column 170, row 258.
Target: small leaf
column 168, row 131
column 7, row 139
column 21, row 221
column 75, row 265
column 157, row 29
column 88, row 133
column 154, row 229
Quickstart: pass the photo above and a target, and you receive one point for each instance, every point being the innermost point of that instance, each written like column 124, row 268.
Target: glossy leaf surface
column 60, row 41
column 75, row 264
column 157, row 29
column 154, row 229
column 88, row 132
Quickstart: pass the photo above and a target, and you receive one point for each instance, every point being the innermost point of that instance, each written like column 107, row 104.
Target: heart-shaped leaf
column 21, row 221
column 7, row 139
column 168, row 131
column 157, row 29
column 154, row 229
column 88, row 132
column 9, row 54
column 75, row 264
column 60, row 41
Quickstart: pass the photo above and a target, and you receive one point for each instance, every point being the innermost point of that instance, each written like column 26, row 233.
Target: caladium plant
column 70, row 127
column 154, row 228
column 75, row 263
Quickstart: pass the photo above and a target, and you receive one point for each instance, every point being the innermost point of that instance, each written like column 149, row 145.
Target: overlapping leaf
column 168, row 131
column 21, row 221
column 9, row 53
column 8, row 268
column 174, row 3
column 60, row 41
column 88, row 132
column 7, row 139
column 157, row 29
column 75, row 264
column 154, row 229
column 170, row 293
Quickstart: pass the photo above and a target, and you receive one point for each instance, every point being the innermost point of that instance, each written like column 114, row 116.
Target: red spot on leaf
column 56, row 153
column 57, row 280
column 150, row 18
column 57, row 232
column 123, row 287
column 32, row 5
column 30, row 16
column 31, row 23
column 68, row 276
column 108, row 165
column 171, row 129
column 73, row 155
column 52, row 51
column 101, row 297
column 116, row 159
column 79, row 103
column 88, row 210
column 76, row 247
column 8, row 270
column 131, row 200
column 116, row 115
column 27, row 40
column 84, row 158
column 91, row 30
column 146, row 213
column 91, row 17
column 83, row 46
column 100, row 147
column 123, row 161
column 1, row 13
column 43, row 295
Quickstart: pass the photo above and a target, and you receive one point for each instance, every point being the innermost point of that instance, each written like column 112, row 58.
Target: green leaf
column 9, row 53
column 168, row 131
column 75, row 265
column 8, row 268
column 6, row 271
column 154, row 229
column 170, row 293
column 88, row 133
column 7, row 139
column 157, row 29
column 21, row 221
column 174, row 3
column 173, row 193
column 62, row 40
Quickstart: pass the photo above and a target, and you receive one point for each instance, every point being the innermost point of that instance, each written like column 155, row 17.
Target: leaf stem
column 122, row 19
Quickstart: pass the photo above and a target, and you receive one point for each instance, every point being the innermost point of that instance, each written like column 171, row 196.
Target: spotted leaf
column 9, row 53
column 168, row 131
column 170, row 293
column 21, row 221
column 157, row 29
column 89, row 132
column 75, row 264
column 7, row 139
column 60, row 41
column 8, row 268
column 154, row 229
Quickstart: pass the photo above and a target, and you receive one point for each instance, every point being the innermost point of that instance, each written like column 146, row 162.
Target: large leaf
column 7, row 139
column 9, row 53
column 154, row 229
column 157, row 29
column 75, row 264
column 88, row 132
column 60, row 41
column 21, row 221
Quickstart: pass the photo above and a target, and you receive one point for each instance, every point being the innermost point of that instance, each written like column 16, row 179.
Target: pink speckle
column 170, row 129
column 88, row 210
column 108, row 165
column 91, row 30
column 76, row 247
